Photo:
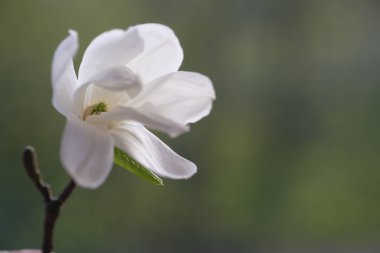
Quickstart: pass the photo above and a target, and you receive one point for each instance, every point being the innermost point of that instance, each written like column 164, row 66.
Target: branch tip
column 33, row 171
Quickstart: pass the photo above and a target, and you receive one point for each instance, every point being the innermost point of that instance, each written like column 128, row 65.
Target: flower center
column 95, row 109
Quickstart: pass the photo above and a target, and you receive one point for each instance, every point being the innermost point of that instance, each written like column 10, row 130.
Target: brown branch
column 53, row 204
column 67, row 192
column 33, row 171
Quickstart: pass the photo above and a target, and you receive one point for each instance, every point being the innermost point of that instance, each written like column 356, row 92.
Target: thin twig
column 33, row 171
column 67, row 191
column 52, row 204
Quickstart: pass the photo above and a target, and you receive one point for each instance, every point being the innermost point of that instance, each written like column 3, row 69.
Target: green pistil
column 95, row 109
column 98, row 108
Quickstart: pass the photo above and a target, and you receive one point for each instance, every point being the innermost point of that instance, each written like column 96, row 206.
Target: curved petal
column 117, row 78
column 86, row 153
column 162, row 52
column 114, row 85
column 143, row 115
column 113, row 48
column 151, row 152
column 64, row 80
column 183, row 97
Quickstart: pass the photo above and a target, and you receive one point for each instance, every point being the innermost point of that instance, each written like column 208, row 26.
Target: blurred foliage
column 288, row 159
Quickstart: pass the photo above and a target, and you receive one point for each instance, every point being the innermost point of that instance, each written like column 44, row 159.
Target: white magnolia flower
column 128, row 80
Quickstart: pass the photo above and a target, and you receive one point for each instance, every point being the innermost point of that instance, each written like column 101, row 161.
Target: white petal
column 109, row 49
column 86, row 153
column 162, row 52
column 151, row 152
column 64, row 79
column 183, row 97
column 112, row 98
column 117, row 78
column 143, row 115
column 63, row 55
column 114, row 85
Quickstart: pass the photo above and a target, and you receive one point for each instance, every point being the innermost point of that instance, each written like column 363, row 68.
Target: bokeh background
column 288, row 160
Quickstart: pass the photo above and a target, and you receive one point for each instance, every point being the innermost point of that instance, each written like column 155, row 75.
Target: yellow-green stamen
column 95, row 109
column 99, row 108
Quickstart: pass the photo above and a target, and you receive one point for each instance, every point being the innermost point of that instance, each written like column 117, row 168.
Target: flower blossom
column 128, row 81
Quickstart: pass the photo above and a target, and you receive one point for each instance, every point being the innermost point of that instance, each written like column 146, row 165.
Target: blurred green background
column 288, row 159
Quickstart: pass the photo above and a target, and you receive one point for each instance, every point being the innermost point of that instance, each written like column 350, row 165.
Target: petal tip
column 180, row 130
column 87, row 185
column 73, row 32
column 192, row 172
